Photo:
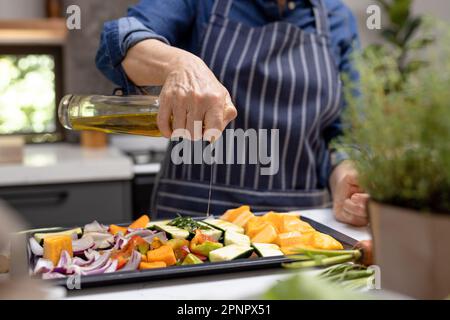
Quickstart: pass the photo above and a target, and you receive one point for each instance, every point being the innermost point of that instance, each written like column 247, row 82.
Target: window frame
column 56, row 51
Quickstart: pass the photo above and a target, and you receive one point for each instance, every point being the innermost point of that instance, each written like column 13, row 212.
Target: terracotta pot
column 412, row 250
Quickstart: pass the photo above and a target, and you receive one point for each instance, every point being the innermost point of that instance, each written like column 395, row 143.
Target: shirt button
column 291, row 5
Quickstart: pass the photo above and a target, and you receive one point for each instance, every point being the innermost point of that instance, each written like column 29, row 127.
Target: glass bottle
column 111, row 114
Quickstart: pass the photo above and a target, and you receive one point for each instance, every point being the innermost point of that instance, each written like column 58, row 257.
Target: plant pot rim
column 388, row 205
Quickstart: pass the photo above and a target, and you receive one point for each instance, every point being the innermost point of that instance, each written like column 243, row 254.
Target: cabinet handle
column 36, row 199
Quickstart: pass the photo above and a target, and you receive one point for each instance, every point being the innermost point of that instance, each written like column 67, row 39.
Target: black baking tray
column 209, row 268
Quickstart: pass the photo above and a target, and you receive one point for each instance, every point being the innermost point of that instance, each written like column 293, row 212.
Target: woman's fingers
column 360, row 199
column 163, row 118
column 353, row 208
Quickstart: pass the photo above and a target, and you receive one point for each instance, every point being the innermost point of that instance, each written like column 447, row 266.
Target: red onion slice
column 112, row 267
column 77, row 261
column 101, row 240
column 95, row 227
column 133, row 263
column 65, row 260
column 52, row 275
column 43, row 266
column 83, row 244
column 36, row 248
column 139, row 232
column 99, row 270
column 98, row 263
column 160, row 235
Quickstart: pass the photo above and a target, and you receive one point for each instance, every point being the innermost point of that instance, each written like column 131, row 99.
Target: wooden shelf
column 33, row 32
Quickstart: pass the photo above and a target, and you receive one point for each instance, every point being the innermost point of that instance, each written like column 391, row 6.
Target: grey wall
column 82, row 76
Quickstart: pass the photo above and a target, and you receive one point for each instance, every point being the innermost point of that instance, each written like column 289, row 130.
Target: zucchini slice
column 267, row 249
column 172, row 232
column 231, row 252
column 41, row 236
column 232, row 237
column 224, row 225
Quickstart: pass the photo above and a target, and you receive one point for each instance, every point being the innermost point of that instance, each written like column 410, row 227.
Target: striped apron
column 279, row 77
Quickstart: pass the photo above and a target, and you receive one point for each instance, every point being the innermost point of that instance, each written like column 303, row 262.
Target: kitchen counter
column 227, row 286
column 62, row 163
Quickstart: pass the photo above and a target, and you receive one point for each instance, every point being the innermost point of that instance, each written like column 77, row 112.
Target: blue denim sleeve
column 344, row 33
column 165, row 20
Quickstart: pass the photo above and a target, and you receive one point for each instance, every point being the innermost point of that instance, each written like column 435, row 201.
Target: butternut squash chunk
column 267, row 235
column 164, row 253
column 232, row 214
column 53, row 246
column 152, row 265
column 115, row 229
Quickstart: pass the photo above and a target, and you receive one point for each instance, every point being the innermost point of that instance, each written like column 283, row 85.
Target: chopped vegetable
column 140, row 223
column 115, row 229
column 231, row 214
column 164, row 253
column 187, row 223
column 152, row 265
column 268, row 234
column 72, row 232
column 55, row 245
column 191, row 259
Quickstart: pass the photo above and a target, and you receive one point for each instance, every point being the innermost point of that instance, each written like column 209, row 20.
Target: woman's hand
column 349, row 201
column 191, row 92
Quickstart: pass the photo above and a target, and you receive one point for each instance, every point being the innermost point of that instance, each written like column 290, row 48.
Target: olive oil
column 137, row 124
column 135, row 115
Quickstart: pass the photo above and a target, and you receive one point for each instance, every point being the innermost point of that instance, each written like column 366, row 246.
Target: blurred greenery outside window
column 27, row 94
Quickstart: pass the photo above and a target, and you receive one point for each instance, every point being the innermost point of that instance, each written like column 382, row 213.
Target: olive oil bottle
column 111, row 114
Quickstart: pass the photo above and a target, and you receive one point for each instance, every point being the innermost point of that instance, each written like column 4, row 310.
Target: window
column 30, row 88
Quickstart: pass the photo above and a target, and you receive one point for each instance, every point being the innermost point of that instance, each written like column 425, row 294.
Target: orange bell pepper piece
column 115, row 229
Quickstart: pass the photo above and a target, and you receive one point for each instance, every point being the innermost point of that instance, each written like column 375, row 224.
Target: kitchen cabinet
column 71, row 204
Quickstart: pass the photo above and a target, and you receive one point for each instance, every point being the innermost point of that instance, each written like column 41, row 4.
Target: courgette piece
column 172, row 232
column 231, row 252
column 232, row 237
column 224, row 225
column 267, row 249
column 41, row 236
column 214, row 233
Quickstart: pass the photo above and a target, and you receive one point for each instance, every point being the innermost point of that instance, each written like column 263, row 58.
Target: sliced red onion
column 95, row 227
column 101, row 240
column 36, row 248
column 119, row 242
column 99, row 270
column 139, row 232
column 65, row 260
column 43, row 266
column 52, row 275
column 83, row 244
column 98, row 263
column 133, row 263
column 160, row 235
column 77, row 261
column 92, row 254
column 112, row 267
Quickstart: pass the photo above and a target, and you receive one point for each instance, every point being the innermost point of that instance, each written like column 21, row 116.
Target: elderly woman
column 279, row 62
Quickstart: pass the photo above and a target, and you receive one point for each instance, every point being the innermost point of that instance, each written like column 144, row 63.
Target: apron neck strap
column 321, row 16
column 222, row 8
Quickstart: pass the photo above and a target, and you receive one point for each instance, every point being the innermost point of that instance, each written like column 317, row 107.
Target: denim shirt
column 181, row 23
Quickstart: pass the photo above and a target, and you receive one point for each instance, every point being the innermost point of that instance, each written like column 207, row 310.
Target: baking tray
column 209, row 268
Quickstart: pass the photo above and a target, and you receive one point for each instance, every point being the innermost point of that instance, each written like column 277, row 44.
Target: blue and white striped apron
column 280, row 77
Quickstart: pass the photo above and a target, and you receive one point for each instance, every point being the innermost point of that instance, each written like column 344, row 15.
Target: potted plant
column 399, row 139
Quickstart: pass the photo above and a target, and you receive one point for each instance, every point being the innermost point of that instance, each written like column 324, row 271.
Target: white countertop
column 65, row 163
column 227, row 286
